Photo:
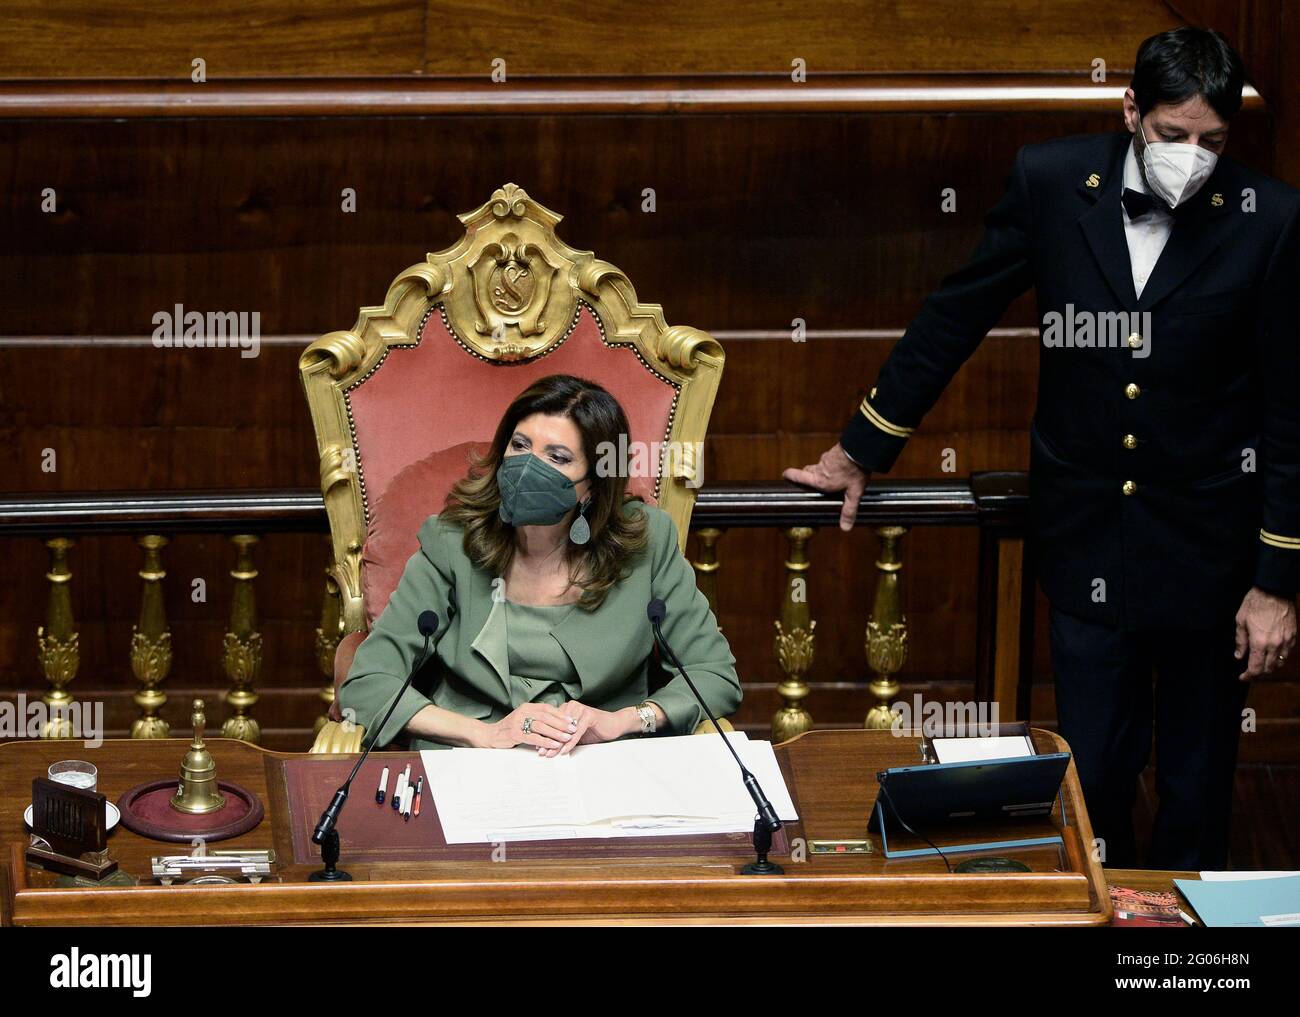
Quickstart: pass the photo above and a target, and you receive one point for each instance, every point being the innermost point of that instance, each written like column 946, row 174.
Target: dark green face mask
column 533, row 492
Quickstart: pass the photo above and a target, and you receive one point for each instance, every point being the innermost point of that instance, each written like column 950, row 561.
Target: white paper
column 964, row 750
column 629, row 788
column 1246, row 874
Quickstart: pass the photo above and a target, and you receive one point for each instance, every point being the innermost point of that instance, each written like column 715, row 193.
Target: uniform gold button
column 1130, row 441
column 1132, row 391
column 1134, row 341
column 1129, row 487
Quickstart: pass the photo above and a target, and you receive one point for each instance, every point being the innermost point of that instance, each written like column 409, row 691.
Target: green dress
column 540, row 670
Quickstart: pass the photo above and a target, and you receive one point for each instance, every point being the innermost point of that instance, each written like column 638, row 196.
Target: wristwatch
column 647, row 714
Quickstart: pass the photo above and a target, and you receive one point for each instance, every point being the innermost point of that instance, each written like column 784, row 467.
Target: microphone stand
column 326, row 833
column 766, row 822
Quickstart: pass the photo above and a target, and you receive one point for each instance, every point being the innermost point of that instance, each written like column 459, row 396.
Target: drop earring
column 580, row 530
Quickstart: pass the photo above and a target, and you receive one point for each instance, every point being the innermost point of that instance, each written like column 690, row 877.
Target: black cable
column 884, row 790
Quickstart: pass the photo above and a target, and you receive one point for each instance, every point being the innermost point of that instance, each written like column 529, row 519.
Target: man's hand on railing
column 835, row 471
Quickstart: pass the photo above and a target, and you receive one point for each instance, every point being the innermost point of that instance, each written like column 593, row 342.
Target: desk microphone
column 325, row 834
column 766, row 822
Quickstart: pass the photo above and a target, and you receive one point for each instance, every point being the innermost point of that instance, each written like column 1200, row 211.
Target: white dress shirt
column 1148, row 235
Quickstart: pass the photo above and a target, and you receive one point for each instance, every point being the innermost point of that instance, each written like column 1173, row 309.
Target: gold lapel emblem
column 1216, row 199
column 1093, row 180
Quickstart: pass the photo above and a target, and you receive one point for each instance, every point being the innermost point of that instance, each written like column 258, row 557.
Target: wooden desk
column 831, row 776
column 1161, row 880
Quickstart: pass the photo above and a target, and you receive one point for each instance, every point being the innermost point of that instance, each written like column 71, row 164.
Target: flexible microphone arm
column 325, row 833
column 767, row 822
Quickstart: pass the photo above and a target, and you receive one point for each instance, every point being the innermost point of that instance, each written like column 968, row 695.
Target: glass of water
column 75, row 773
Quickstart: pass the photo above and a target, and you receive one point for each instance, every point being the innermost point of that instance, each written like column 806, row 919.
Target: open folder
column 634, row 787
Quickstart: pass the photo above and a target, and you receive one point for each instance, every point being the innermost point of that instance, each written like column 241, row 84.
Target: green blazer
column 610, row 648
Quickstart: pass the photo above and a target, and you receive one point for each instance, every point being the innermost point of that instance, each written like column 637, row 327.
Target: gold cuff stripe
column 883, row 424
column 1287, row 543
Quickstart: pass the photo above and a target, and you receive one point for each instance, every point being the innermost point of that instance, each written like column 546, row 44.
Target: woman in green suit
column 545, row 566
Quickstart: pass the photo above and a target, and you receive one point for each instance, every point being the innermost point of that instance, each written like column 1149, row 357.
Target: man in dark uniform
column 1165, row 446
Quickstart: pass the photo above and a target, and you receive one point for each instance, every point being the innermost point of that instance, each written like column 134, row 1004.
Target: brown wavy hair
column 617, row 537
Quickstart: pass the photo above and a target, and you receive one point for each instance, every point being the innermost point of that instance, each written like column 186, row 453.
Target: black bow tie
column 1139, row 203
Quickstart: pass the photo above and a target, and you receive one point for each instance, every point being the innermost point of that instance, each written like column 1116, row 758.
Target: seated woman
column 545, row 566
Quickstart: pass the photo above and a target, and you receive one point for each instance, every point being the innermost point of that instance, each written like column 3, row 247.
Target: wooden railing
column 408, row 96
column 994, row 503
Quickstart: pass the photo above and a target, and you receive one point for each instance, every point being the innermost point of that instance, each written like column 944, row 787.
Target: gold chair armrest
column 336, row 738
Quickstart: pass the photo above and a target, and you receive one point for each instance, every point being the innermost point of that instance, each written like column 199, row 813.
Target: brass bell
column 198, row 793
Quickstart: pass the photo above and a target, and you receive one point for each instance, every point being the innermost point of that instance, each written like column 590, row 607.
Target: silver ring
column 528, row 725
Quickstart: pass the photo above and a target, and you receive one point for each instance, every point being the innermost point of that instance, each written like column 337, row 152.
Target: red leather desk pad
column 373, row 833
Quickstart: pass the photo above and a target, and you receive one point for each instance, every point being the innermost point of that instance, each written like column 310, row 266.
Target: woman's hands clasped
column 554, row 730
column 550, row 728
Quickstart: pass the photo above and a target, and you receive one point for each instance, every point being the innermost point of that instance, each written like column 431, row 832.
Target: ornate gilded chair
column 400, row 400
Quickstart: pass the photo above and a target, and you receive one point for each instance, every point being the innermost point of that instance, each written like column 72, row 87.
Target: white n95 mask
column 1173, row 170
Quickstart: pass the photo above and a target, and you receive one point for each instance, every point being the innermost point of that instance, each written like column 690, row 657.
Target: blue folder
column 1237, row 902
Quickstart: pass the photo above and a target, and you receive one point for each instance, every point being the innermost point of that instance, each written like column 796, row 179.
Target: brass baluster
column 328, row 636
column 151, row 643
column 794, row 639
column 886, row 639
column 706, row 565
column 57, row 642
column 243, row 645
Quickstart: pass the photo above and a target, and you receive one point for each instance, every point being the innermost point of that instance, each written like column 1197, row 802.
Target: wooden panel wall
column 156, row 38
